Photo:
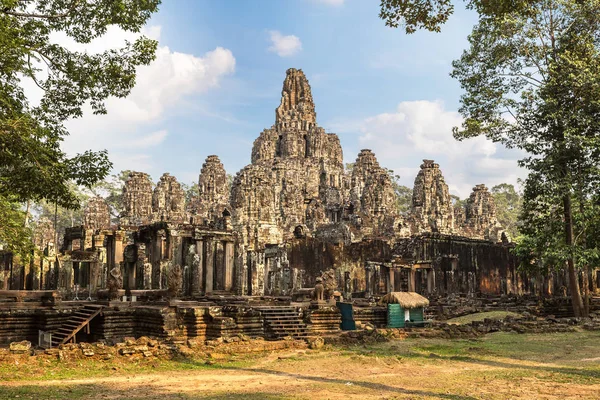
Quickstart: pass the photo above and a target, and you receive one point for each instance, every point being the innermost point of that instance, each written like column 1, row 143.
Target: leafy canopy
column 33, row 165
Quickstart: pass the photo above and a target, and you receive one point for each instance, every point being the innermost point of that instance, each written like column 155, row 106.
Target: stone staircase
column 282, row 321
column 76, row 322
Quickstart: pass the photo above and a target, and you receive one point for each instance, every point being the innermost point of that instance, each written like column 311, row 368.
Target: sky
column 217, row 80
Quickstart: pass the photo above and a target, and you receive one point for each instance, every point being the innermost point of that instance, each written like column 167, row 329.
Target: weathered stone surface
column 96, row 214
column 168, row 200
column 137, row 199
column 20, row 347
column 432, row 209
column 372, row 196
column 480, row 214
column 212, row 203
column 297, row 108
column 296, row 177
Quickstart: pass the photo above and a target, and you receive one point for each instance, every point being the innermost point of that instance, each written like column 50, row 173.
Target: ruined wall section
column 168, row 200
column 137, row 200
column 96, row 214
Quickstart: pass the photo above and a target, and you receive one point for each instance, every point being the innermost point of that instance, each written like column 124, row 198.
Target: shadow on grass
column 592, row 376
column 94, row 391
column 586, row 373
column 363, row 384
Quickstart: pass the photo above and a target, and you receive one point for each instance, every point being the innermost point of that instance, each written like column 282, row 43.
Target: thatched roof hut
column 407, row 300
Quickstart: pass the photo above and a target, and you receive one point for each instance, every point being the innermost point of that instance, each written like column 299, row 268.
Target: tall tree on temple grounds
column 509, row 204
column 33, row 166
column 532, row 81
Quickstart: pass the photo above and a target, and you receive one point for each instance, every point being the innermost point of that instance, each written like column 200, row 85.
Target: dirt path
column 329, row 375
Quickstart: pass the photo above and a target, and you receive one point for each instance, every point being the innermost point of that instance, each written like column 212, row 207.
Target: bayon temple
column 292, row 219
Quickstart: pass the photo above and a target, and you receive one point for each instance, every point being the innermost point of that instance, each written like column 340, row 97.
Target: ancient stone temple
column 293, row 220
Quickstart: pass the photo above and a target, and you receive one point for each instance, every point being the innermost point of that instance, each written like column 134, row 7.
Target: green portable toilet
column 404, row 309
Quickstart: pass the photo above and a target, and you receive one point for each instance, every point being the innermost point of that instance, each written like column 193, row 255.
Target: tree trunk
column 573, row 281
column 586, row 291
column 27, row 213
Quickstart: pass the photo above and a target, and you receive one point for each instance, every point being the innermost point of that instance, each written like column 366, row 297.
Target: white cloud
column 145, row 141
column 423, row 130
column 133, row 123
column 284, row 46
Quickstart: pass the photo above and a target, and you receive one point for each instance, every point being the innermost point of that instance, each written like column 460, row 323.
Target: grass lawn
column 467, row 319
column 497, row 366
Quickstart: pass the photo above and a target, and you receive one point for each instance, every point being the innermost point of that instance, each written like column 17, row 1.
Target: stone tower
column 213, row 191
column 168, row 200
column 432, row 209
column 137, row 200
column 371, row 191
column 296, row 177
column 96, row 214
column 480, row 215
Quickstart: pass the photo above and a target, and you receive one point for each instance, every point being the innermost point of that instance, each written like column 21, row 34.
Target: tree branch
column 43, row 16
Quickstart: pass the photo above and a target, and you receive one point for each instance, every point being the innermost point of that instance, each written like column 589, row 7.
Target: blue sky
column 218, row 75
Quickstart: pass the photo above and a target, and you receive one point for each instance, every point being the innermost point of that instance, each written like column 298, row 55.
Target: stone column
column 209, row 264
column 391, row 284
column 219, row 274
column 228, row 265
column 368, row 291
column 197, row 269
column 118, row 248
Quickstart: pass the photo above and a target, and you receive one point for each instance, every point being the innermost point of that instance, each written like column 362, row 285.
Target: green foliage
column 15, row 236
column 531, row 77
column 191, row 191
column 457, row 202
column 508, row 207
column 532, row 82
column 403, row 193
column 416, row 14
column 33, row 167
column 111, row 189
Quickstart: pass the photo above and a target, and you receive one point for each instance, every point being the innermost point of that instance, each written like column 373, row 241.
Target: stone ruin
column 96, row 214
column 290, row 215
column 137, row 200
column 294, row 225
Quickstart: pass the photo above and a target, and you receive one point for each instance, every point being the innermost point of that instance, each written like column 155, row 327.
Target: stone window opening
column 306, row 146
column 299, row 232
column 278, row 146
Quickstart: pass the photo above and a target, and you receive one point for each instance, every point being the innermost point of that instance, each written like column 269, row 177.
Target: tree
column 416, row 14
column 111, row 189
column 508, row 207
column 532, row 82
column 191, row 191
column 65, row 217
column 403, row 193
column 33, row 167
